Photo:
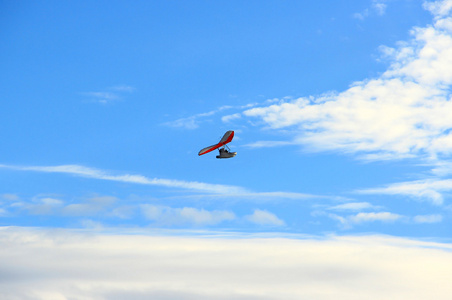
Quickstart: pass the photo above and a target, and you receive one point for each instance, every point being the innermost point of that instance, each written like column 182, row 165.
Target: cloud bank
column 62, row 264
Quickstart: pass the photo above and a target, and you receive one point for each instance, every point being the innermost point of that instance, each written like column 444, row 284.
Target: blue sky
column 342, row 118
column 95, row 92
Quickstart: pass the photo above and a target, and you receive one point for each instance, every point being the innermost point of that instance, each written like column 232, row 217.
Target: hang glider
column 225, row 152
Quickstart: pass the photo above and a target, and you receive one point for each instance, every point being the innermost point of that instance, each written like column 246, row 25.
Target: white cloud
column 264, row 196
column 83, row 171
column 109, row 95
column 187, row 123
column 230, row 118
column 428, row 219
column 403, row 113
column 361, row 15
column 378, row 7
column 372, row 217
column 353, row 206
column 102, row 97
column 60, row 264
column 209, row 190
column 349, row 221
column 262, row 217
column 429, row 189
column 193, row 122
column 165, row 215
column 439, row 8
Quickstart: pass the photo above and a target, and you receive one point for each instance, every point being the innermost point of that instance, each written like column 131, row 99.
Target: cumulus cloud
column 403, row 113
column 61, row 264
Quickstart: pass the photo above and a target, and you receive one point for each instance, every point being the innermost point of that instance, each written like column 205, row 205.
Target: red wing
column 227, row 137
column 210, row 148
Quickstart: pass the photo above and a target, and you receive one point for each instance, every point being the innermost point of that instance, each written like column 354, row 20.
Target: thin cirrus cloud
column 349, row 221
column 83, row 171
column 109, row 95
column 403, row 113
column 62, row 264
column 353, row 206
column 193, row 122
column 208, row 189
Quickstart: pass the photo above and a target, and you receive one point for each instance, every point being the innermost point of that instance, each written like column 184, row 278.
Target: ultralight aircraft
column 225, row 152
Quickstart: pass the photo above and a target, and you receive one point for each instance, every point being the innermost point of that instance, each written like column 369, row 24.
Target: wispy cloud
column 83, row 171
column 267, row 196
column 428, row 189
column 439, row 8
column 193, row 122
column 204, row 190
column 353, row 206
column 109, row 95
column 61, row 264
column 229, row 118
column 428, row 218
column 378, row 7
